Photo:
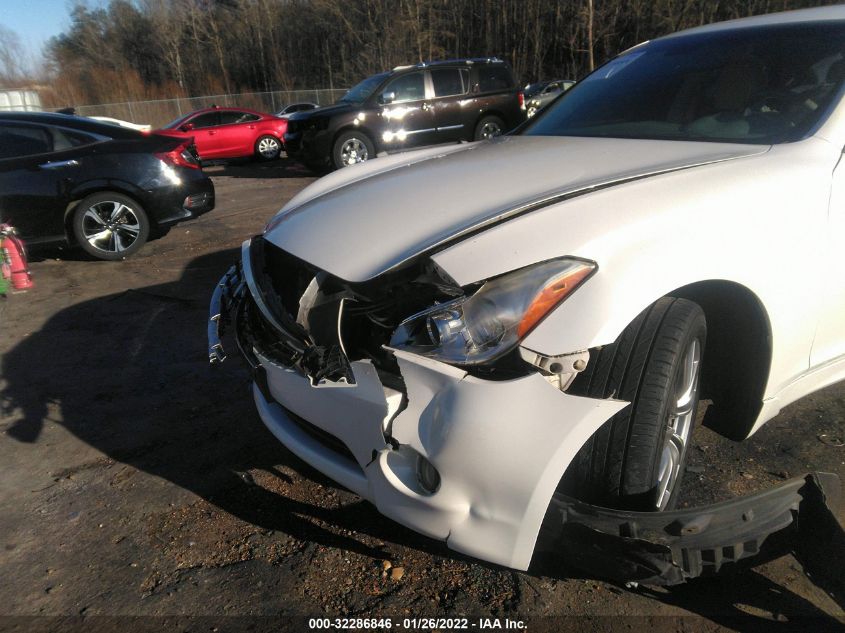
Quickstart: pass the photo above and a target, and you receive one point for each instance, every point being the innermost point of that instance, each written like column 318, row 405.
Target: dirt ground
column 139, row 481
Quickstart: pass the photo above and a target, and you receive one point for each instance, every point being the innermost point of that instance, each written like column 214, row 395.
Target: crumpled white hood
column 364, row 220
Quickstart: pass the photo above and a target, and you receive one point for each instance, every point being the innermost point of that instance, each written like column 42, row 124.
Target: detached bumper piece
column 667, row 548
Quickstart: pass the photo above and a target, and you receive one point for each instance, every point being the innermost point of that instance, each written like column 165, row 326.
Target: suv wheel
column 635, row 461
column 351, row 148
column 488, row 127
column 110, row 226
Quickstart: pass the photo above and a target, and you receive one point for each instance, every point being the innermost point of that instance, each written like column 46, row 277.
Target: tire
column 267, row 147
column 110, row 226
column 488, row 127
column 351, row 148
column 636, row 460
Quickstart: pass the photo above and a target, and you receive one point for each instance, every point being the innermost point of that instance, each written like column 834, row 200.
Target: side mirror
column 187, row 127
column 387, row 97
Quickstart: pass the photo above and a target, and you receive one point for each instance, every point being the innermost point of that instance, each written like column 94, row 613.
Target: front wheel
column 636, row 460
column 351, row 148
column 267, row 147
column 488, row 127
column 110, row 226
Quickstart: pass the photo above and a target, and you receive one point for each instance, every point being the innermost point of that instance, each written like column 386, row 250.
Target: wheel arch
column 486, row 113
column 737, row 357
column 350, row 127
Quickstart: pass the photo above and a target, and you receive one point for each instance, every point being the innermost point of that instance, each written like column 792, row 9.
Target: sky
column 36, row 21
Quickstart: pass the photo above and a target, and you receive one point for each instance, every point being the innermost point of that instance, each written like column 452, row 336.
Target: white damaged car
column 502, row 344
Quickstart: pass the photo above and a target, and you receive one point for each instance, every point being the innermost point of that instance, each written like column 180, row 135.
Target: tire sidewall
column 89, row 201
column 343, row 138
column 698, row 330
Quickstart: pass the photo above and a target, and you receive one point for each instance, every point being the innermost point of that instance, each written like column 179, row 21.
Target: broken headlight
column 487, row 324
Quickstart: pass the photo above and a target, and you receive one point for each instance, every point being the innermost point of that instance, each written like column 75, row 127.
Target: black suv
column 423, row 104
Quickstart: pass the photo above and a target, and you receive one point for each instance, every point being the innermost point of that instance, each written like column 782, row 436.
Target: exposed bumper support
column 667, row 548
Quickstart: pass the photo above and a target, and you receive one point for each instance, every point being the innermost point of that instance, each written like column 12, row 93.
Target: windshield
column 363, row 90
column 175, row 123
column 766, row 85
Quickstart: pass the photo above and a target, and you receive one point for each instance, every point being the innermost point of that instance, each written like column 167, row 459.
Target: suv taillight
column 521, row 96
column 181, row 156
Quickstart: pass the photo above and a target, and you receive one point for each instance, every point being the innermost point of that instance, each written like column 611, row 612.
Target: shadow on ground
column 282, row 167
column 130, row 376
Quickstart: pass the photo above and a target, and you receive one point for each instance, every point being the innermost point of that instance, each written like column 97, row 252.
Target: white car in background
column 141, row 127
column 479, row 337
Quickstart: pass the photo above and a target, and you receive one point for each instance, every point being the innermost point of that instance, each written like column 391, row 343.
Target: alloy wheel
column 353, row 151
column 490, row 129
column 679, row 424
column 110, row 226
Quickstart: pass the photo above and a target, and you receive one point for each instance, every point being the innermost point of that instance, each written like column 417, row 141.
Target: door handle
column 426, row 106
column 211, row 132
column 60, row 164
column 251, row 127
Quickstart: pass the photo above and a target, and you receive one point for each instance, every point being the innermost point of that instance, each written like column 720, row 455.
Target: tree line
column 148, row 49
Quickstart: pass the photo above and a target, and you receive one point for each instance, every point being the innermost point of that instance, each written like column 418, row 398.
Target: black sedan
column 104, row 187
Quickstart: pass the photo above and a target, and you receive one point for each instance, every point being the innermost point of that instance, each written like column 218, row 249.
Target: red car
column 230, row 132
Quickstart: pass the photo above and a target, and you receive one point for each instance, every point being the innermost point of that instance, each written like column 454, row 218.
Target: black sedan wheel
column 110, row 226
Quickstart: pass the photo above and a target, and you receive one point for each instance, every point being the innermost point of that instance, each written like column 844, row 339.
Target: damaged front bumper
column 499, row 449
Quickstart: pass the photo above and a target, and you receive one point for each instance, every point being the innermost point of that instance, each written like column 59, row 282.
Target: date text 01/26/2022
column 449, row 624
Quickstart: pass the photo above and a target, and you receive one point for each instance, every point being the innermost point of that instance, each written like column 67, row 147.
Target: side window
column 494, row 77
column 20, row 140
column 410, row 87
column 228, row 117
column 209, row 119
column 68, row 139
column 449, row 81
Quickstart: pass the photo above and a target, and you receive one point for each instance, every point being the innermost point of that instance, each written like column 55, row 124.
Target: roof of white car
column 818, row 14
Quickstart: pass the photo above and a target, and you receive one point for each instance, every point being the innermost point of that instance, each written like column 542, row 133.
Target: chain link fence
column 162, row 111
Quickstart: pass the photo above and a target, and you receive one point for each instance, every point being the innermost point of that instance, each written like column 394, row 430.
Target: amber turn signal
column 551, row 295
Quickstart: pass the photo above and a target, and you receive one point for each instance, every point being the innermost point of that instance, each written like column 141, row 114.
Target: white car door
column 829, row 343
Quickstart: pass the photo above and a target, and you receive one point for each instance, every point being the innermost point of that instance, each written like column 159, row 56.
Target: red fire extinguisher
column 13, row 263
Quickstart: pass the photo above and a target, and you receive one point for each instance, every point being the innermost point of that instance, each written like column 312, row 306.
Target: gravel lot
column 137, row 480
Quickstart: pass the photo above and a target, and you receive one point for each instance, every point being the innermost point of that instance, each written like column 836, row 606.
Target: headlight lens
column 489, row 323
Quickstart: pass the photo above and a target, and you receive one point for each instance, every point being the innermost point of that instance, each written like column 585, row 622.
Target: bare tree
column 11, row 58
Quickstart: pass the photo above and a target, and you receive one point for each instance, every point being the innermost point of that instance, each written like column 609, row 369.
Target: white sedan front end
column 480, row 338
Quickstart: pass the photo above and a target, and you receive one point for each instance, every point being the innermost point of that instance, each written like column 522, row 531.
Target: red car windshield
column 176, row 122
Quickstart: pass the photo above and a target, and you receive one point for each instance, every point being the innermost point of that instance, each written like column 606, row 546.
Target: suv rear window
column 494, row 77
column 449, row 81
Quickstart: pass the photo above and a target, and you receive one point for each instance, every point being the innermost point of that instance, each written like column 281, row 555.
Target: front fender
column 749, row 221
